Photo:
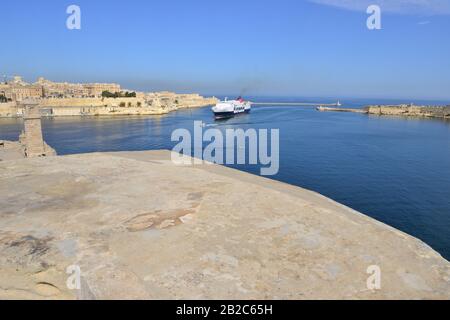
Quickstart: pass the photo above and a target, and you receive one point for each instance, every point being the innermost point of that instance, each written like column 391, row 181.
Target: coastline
column 179, row 238
column 106, row 106
column 404, row 110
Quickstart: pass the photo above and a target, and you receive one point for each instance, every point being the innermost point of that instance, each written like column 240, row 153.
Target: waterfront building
column 19, row 92
column 76, row 90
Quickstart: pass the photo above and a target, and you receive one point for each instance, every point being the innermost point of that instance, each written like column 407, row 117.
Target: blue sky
column 285, row 47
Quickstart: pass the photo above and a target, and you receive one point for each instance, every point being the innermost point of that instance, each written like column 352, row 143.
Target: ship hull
column 223, row 115
column 228, row 115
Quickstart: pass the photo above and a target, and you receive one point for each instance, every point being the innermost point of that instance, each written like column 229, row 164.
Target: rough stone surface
column 410, row 111
column 140, row 227
column 11, row 150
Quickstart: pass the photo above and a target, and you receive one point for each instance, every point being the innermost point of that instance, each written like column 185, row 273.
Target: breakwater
column 410, row 110
column 321, row 108
column 299, row 104
column 398, row 110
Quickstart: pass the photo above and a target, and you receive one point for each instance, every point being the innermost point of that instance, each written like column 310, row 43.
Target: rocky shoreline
column 405, row 110
column 410, row 111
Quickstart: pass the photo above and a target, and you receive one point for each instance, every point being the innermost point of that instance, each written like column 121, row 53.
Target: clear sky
column 284, row 47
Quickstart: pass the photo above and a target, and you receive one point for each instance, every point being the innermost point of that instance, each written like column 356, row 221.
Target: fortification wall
column 414, row 111
column 8, row 109
column 90, row 102
column 108, row 106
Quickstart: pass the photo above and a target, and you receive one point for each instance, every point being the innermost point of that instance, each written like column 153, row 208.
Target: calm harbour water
column 396, row 170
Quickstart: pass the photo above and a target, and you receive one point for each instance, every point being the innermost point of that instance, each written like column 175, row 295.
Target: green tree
column 130, row 94
column 107, row 94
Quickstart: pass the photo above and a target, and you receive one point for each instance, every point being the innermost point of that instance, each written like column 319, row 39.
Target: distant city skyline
column 319, row 48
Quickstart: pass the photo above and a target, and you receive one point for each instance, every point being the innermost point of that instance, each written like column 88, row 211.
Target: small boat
column 229, row 108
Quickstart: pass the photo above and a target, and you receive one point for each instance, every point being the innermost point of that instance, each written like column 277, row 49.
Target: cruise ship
column 229, row 108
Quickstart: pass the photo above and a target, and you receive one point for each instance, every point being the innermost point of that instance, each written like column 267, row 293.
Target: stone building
column 75, row 90
column 96, row 89
column 19, row 81
column 17, row 92
column 3, row 89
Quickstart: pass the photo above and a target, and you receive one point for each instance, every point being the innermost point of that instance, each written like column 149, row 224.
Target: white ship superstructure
column 230, row 108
